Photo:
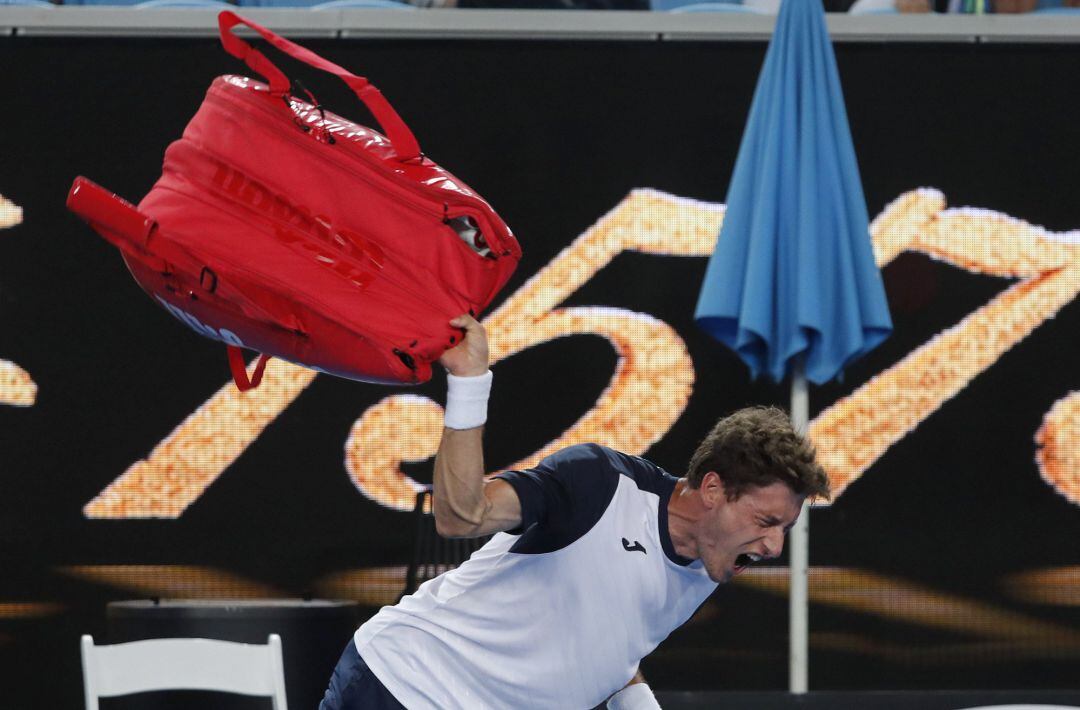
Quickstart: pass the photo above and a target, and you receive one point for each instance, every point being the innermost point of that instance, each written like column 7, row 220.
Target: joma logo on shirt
column 636, row 547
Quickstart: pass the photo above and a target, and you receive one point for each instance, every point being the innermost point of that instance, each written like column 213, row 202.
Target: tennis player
column 600, row 555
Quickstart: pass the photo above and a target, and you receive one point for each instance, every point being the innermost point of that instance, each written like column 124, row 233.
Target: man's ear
column 712, row 490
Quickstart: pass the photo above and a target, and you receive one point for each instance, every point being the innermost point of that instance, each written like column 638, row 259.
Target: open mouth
column 745, row 560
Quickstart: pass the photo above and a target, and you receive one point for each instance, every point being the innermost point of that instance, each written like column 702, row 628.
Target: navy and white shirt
column 554, row 614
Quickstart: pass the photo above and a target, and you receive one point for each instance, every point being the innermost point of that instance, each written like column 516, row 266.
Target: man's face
column 735, row 533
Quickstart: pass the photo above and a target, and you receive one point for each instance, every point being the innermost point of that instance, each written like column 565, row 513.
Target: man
column 602, row 556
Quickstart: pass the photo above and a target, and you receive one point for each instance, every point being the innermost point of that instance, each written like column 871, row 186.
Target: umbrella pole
column 798, row 629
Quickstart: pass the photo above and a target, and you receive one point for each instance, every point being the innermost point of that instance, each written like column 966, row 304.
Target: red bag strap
column 399, row 134
column 239, row 369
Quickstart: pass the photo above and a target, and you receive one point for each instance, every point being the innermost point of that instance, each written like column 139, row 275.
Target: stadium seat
column 27, row 3
column 888, row 7
column 102, row 2
column 183, row 664
column 346, row 4
column 666, row 5
column 873, row 7
column 186, row 3
column 384, row 4
column 718, row 7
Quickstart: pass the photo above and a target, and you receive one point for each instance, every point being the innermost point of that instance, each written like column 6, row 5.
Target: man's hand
column 468, row 358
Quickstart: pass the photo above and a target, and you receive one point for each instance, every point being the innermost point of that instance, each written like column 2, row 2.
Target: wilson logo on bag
column 279, row 227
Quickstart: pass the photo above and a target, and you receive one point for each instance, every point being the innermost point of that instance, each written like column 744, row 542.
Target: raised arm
column 464, row 505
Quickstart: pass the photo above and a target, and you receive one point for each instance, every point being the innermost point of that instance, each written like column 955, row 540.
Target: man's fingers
column 465, row 321
column 469, row 357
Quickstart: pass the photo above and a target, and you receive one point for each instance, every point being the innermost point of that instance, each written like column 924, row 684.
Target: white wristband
column 634, row 697
column 466, row 401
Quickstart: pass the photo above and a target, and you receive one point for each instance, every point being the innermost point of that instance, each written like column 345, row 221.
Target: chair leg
column 89, row 677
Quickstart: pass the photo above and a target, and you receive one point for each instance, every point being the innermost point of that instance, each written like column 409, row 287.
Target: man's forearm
column 458, row 497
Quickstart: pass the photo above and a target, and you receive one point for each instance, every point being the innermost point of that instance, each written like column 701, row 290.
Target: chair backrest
column 873, row 7
column 217, row 4
column 101, row 2
column 434, row 554
column 665, row 5
column 317, row 4
column 183, row 664
column 363, row 4
column 719, row 7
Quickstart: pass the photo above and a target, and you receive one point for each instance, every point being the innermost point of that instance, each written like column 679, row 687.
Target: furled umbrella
column 792, row 286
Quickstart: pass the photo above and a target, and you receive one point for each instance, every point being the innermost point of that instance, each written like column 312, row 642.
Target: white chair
column 873, row 7
column 183, row 664
column 728, row 7
column 364, row 4
column 217, row 4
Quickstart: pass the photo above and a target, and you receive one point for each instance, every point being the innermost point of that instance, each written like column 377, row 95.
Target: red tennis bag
column 279, row 227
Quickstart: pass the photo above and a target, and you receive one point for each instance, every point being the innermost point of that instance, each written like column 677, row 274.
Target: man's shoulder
column 600, row 455
column 647, row 475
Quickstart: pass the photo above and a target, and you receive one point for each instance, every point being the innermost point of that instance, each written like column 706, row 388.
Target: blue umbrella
column 793, row 287
column 793, row 277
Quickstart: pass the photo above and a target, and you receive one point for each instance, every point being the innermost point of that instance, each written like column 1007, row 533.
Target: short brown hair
column 757, row 446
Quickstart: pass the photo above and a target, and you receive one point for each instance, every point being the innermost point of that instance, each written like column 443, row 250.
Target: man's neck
column 684, row 510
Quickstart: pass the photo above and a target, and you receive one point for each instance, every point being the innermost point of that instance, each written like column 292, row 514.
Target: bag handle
column 127, row 229
column 239, row 369
column 400, row 136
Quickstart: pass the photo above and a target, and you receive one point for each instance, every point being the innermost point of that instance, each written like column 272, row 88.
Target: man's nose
column 774, row 543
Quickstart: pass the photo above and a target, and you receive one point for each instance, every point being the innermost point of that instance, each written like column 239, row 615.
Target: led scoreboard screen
column 132, row 467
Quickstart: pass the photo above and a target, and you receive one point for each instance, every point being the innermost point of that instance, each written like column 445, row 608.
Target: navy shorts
column 354, row 687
